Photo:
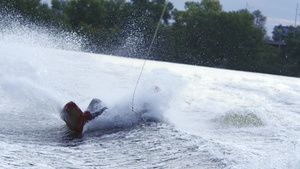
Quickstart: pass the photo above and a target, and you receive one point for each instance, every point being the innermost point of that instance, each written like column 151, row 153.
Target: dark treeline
column 203, row 34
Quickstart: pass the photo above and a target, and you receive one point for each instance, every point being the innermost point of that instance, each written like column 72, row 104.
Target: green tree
column 147, row 13
column 85, row 13
column 259, row 20
column 140, row 21
column 114, row 13
column 32, row 10
column 211, row 37
column 59, row 5
column 61, row 18
column 211, row 5
column 193, row 34
column 292, row 52
column 203, row 34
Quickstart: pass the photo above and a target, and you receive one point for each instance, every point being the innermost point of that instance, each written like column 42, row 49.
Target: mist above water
column 17, row 29
column 207, row 118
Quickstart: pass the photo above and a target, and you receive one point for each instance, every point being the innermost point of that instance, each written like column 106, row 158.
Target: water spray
column 148, row 53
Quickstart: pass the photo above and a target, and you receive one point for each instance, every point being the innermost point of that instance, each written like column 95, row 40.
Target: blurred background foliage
column 202, row 34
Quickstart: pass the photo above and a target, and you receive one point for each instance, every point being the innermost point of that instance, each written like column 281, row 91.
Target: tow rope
column 148, row 53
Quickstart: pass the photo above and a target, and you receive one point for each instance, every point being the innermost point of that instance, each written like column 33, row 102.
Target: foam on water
column 153, row 97
column 28, row 79
column 207, row 118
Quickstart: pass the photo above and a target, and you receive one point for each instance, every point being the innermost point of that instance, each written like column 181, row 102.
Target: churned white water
column 199, row 117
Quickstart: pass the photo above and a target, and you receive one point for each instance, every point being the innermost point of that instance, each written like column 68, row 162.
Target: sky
column 277, row 11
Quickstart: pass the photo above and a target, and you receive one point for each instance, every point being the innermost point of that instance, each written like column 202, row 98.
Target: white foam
column 35, row 80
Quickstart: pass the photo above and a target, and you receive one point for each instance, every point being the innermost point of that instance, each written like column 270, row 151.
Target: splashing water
column 200, row 117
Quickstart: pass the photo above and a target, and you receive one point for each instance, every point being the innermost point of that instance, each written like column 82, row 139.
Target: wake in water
column 153, row 99
column 25, row 80
column 219, row 118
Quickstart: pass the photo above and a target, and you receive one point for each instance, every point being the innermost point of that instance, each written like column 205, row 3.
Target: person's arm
column 98, row 113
